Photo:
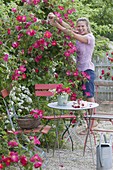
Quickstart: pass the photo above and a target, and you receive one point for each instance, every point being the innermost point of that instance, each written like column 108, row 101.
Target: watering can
column 104, row 154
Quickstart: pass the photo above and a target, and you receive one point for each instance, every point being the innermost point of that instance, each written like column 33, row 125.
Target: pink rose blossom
column 56, row 75
column 103, row 72
column 87, row 93
column 28, row 24
column 36, row 157
column 1, row 166
column 14, row 10
column 21, row 18
column 61, row 8
column 15, row 44
column 23, row 160
column 47, row 34
column 36, row 70
column 36, row 141
column 12, row 143
column 83, row 87
column 76, row 73
column 8, row 31
column 14, row 156
column 5, row 57
column 18, row 28
column 22, row 68
column 54, row 43
column 68, row 73
column 24, row 76
column 1, row 42
column 67, row 54
column 37, row 164
column 31, row 32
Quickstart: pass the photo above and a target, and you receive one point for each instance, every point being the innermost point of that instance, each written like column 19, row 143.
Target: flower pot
column 62, row 99
column 27, row 122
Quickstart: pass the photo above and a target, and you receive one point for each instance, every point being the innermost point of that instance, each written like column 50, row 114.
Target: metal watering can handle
column 110, row 140
column 100, row 148
column 100, row 151
column 105, row 139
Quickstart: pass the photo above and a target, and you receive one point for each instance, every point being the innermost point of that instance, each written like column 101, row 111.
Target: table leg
column 89, row 124
column 69, row 135
column 88, row 131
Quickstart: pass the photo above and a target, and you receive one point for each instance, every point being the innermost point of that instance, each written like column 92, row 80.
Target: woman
column 85, row 43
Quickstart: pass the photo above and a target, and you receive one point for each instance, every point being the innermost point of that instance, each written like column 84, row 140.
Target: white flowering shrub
column 21, row 97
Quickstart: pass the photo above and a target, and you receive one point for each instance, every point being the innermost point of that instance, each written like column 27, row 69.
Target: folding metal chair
column 16, row 131
column 45, row 90
column 100, row 96
column 104, row 94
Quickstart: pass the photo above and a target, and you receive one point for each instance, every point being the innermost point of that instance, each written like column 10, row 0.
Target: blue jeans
column 90, row 84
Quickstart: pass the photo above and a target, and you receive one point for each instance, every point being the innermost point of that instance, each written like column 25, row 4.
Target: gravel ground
column 66, row 159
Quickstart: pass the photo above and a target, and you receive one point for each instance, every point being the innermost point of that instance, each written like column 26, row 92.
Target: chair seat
column 99, row 116
column 40, row 128
column 102, row 130
column 46, row 129
column 59, row 117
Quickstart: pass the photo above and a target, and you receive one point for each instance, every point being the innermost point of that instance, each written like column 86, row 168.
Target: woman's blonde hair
column 87, row 23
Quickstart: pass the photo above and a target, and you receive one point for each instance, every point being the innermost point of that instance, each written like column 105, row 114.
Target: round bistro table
column 69, row 106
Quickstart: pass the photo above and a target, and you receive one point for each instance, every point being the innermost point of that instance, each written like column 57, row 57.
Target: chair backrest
column 45, row 89
column 104, row 91
column 4, row 93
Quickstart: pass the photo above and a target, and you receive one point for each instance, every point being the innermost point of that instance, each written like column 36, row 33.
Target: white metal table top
column 90, row 105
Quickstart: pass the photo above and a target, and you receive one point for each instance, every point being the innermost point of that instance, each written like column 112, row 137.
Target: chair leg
column 92, row 132
column 91, row 129
column 89, row 132
column 47, row 145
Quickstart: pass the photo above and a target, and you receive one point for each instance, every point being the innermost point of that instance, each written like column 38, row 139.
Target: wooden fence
column 105, row 87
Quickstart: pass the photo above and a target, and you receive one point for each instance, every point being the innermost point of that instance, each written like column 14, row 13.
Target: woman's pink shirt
column 85, row 52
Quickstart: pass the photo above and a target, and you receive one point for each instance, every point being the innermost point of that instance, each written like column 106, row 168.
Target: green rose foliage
column 32, row 51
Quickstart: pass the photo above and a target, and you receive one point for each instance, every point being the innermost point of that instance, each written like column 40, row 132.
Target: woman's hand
column 51, row 18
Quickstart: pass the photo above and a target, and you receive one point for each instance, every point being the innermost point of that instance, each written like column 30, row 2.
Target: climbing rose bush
column 32, row 51
column 18, row 157
column 107, row 73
